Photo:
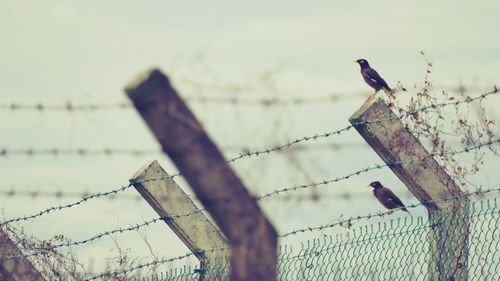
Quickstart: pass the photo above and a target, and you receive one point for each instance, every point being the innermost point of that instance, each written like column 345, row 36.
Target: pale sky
column 55, row 52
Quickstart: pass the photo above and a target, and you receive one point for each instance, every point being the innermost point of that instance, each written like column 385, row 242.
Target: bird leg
column 372, row 96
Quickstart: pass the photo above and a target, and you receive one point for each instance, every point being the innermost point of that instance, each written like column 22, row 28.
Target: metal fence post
column 427, row 180
column 15, row 269
column 168, row 199
column 252, row 238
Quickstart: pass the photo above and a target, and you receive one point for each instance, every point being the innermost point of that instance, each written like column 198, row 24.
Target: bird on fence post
column 386, row 197
column 372, row 78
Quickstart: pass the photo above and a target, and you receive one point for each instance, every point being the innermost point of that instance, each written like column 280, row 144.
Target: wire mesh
column 398, row 249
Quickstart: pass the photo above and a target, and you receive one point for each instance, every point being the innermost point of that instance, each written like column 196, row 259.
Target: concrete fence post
column 427, row 181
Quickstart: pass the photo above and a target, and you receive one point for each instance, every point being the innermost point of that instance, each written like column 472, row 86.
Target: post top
column 371, row 102
column 147, row 83
column 144, row 169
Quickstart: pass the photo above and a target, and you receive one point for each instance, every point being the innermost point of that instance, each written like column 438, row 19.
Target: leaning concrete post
column 18, row 269
column 427, row 180
column 250, row 234
column 169, row 200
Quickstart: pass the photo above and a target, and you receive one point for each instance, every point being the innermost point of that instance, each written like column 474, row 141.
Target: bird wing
column 388, row 194
column 373, row 75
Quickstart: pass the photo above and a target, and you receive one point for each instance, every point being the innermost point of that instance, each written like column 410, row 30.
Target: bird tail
column 406, row 210
column 389, row 91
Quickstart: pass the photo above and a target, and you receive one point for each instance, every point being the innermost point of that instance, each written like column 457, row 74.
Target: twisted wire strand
column 274, row 193
column 257, row 153
column 294, row 232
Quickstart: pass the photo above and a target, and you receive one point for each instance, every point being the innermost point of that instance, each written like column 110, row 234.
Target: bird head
column 375, row 184
column 363, row 63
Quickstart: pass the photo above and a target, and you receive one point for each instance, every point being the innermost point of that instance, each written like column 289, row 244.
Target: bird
column 386, row 197
column 371, row 77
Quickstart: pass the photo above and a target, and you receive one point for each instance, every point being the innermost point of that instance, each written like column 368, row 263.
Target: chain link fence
column 398, row 249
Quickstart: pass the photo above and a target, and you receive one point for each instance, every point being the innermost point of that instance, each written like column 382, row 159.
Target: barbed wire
column 77, row 151
column 375, row 121
column 85, row 152
column 69, row 106
column 60, row 194
column 267, row 151
column 273, row 101
column 277, row 101
column 65, row 206
column 244, row 151
column 104, row 234
column 377, row 167
column 277, row 192
column 429, row 224
column 339, row 222
column 348, row 221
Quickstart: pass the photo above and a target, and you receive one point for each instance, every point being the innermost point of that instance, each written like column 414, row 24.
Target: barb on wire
column 277, row 192
column 258, row 152
column 347, row 221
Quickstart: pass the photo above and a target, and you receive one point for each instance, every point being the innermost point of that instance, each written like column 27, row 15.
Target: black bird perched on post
column 386, row 197
column 371, row 77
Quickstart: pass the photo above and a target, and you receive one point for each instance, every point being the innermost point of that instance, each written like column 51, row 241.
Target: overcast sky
column 55, row 52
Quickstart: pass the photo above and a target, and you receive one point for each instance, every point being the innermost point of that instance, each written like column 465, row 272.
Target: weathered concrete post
column 427, row 181
column 168, row 199
column 18, row 269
